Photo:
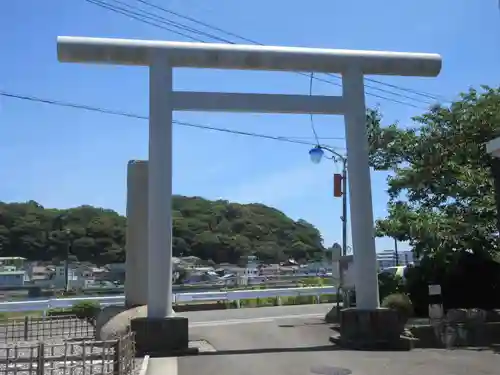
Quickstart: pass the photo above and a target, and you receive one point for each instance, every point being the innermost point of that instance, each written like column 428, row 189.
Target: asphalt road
column 14, row 330
column 218, row 317
column 293, row 340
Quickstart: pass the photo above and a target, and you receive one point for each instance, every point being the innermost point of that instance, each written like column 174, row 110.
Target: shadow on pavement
column 306, row 324
column 274, row 350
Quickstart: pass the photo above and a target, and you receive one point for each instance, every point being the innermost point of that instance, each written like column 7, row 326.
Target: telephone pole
column 340, row 189
column 396, row 253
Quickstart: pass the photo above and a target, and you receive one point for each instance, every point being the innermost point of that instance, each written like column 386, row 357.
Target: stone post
column 136, row 279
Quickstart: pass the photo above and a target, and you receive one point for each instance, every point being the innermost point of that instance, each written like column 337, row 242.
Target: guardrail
column 231, row 295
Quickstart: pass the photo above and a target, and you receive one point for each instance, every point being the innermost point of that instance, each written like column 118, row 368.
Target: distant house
column 36, row 273
column 388, row 258
column 187, row 262
column 77, row 276
column 116, row 266
column 115, row 273
column 12, row 278
column 17, row 262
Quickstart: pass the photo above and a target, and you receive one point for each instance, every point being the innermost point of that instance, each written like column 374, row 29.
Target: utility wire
column 311, row 117
column 249, row 40
column 136, row 13
column 144, row 14
column 85, row 107
column 153, row 20
column 138, row 17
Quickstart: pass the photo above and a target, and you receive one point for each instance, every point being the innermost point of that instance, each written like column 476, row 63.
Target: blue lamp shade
column 316, row 154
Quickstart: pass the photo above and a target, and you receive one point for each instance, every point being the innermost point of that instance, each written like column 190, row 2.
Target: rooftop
column 12, row 272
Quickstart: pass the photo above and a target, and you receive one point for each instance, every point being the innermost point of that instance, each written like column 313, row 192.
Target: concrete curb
column 144, row 366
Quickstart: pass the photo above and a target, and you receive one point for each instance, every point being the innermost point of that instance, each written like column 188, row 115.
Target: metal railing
column 229, row 295
column 43, row 328
column 116, row 357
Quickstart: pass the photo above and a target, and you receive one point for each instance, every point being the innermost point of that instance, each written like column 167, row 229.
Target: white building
column 77, row 277
column 10, row 277
column 388, row 258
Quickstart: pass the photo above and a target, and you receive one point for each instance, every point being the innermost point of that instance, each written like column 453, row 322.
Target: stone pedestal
column 161, row 336
column 370, row 329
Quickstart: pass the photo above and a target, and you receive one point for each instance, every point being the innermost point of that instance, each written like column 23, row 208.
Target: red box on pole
column 337, row 185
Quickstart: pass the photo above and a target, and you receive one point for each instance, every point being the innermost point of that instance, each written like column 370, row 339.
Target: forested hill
column 216, row 230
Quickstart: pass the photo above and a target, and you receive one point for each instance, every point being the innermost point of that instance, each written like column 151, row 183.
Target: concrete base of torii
column 377, row 329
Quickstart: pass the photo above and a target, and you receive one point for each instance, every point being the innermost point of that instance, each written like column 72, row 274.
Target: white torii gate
column 161, row 57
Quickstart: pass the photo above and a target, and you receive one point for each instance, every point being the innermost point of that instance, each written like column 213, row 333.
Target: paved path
column 261, row 313
column 258, row 342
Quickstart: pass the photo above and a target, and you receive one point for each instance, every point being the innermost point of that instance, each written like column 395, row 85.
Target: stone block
column 370, row 329
column 115, row 321
column 161, row 336
column 333, row 315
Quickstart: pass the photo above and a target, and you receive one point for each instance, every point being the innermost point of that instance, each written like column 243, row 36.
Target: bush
column 86, row 310
column 401, row 303
column 460, row 285
column 389, row 284
column 312, row 281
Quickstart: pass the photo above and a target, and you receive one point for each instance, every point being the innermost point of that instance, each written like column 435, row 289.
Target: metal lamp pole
column 396, row 253
column 316, row 155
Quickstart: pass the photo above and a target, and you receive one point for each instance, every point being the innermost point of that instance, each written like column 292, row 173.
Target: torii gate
column 162, row 56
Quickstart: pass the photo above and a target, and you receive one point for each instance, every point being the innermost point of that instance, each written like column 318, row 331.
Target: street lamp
column 340, row 189
column 316, row 154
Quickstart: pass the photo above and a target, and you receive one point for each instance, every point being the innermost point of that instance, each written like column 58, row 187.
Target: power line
column 137, row 17
column 249, row 40
column 153, row 19
column 59, row 103
column 311, row 116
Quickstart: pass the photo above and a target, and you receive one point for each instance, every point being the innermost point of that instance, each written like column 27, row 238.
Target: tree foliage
column 441, row 188
column 441, row 201
column 216, row 230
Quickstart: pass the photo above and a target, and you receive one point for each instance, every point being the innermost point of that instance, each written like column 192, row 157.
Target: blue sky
column 64, row 157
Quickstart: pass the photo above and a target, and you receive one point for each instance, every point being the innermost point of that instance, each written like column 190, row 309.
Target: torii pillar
column 161, row 331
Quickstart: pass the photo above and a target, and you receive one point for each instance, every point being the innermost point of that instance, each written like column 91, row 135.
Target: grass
column 283, row 301
column 20, row 314
column 244, row 303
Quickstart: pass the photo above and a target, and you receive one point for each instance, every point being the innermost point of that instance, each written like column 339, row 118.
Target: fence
column 229, row 295
column 43, row 328
column 67, row 348
column 116, row 357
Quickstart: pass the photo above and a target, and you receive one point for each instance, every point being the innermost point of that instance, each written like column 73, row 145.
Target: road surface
column 260, row 314
column 293, row 340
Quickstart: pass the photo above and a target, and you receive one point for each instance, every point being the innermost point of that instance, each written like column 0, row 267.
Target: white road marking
column 144, row 365
column 266, row 319
column 162, row 366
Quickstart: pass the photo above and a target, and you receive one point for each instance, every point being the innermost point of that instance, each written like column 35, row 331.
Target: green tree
column 211, row 230
column 441, row 189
